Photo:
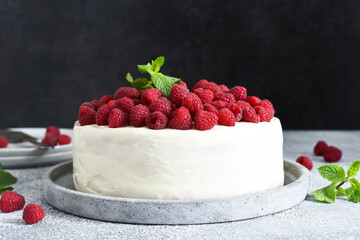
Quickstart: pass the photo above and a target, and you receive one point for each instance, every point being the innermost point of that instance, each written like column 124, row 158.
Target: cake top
column 166, row 102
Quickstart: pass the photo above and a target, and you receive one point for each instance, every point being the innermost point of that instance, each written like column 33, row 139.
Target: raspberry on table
column 249, row 115
column 11, row 201
column 118, row 118
column 219, row 104
column 86, row 115
column 102, row 115
column 94, row 106
column 200, row 84
column 53, row 130
column 180, row 119
column 305, row 161
column 192, row 102
column 33, row 213
column 125, row 104
column 213, row 87
column 264, row 114
column 138, row 115
column 268, row 105
column 64, row 139
column 178, row 94
column 204, row 120
column 161, row 104
column 105, row 99
column 243, row 104
column 253, row 100
column 236, row 110
column 129, row 92
column 239, row 93
column 206, row 96
column 226, row 117
column 3, row 142
column 49, row 140
column 320, row 148
column 156, row 120
column 210, row 108
column 224, row 88
column 332, row 154
column 226, row 97
column 150, row 95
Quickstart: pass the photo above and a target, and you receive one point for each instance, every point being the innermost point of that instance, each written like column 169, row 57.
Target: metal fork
column 17, row 137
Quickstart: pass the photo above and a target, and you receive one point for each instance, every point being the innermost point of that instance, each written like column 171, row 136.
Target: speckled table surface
column 308, row 220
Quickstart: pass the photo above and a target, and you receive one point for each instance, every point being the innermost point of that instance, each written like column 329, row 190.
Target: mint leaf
column 0, row 166
column 157, row 64
column 354, row 183
column 6, row 179
column 140, row 83
column 353, row 169
column 326, row 194
column 353, row 194
column 173, row 79
column 145, row 68
column 163, row 83
column 3, row 189
column 334, row 173
column 341, row 191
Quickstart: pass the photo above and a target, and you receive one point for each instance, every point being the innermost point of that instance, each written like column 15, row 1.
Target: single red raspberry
column 206, row 96
column 253, row 100
column 178, row 94
column 118, row 118
column 49, row 140
column 193, row 103
column 105, row 99
column 305, row 161
column 264, row 114
column 268, row 105
column 182, row 83
column 64, row 139
column 138, row 115
column 3, row 142
column 53, row 130
column 200, row 84
column 126, row 92
column 226, row 117
column 102, row 115
column 33, row 213
column 320, row 148
column 95, row 101
column 180, row 119
column 150, row 95
column 210, row 108
column 226, row 97
column 11, row 201
column 224, row 88
column 239, row 93
column 161, row 104
column 125, row 104
column 156, row 120
column 213, row 87
column 219, row 104
column 94, row 106
column 111, row 103
column 249, row 115
column 205, row 120
column 332, row 154
column 243, row 104
column 86, row 115
column 236, row 110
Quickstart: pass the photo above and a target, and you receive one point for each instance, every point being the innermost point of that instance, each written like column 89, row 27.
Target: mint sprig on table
column 336, row 174
column 6, row 179
column 161, row 81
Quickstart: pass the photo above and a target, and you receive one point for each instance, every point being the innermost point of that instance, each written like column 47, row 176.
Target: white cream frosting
column 178, row 164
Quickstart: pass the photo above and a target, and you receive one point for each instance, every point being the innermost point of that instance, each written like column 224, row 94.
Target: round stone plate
column 59, row 192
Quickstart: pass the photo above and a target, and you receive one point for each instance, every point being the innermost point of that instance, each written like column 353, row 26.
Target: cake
column 210, row 143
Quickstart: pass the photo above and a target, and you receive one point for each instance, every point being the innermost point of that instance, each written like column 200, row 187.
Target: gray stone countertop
column 308, row 220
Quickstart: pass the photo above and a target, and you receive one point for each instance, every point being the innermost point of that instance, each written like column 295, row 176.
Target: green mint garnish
column 161, row 81
column 336, row 174
column 6, row 179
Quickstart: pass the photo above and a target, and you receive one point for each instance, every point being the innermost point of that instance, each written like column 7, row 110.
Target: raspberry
column 49, row 140
column 111, row 104
column 219, row 104
column 253, row 100
column 206, row 96
column 320, row 148
column 129, row 92
column 268, row 105
column 236, row 110
column 223, row 88
column 3, row 142
column 105, row 99
column 125, row 104
column 210, row 108
column 263, row 113
column 138, row 115
column 192, row 102
column 180, row 119
column 33, row 213
column 205, row 120
column 64, row 139
column 53, row 130
column 226, row 97
column 102, row 115
column 136, row 101
column 86, row 115
column 118, row 118
column 200, row 84
column 95, row 101
column 161, row 105
column 239, row 93
column 243, row 104
column 94, row 106
column 11, row 201
column 305, row 161
column 332, row 154
column 226, row 117
column 178, row 94
column 182, row 83
column 213, row 87
column 249, row 115
column 156, row 120
column 150, row 95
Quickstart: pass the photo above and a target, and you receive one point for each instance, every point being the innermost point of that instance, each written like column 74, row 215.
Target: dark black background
column 302, row 55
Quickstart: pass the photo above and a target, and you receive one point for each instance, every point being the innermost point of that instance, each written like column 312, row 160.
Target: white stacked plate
column 19, row 155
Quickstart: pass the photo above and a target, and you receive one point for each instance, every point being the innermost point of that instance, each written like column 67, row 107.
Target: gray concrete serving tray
column 59, row 192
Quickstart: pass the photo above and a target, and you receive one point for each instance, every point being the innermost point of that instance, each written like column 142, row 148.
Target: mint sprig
column 161, row 81
column 6, row 179
column 336, row 174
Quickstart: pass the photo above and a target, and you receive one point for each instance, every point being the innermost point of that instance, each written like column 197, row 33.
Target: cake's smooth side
column 178, row 164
